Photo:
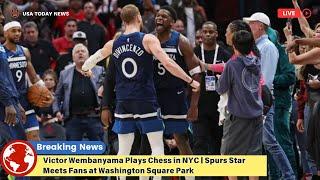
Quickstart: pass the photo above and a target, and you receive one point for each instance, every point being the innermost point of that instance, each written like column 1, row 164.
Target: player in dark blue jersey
column 11, row 112
column 171, row 90
column 19, row 59
column 131, row 73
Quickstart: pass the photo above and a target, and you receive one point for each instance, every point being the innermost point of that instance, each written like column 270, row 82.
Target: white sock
column 157, row 147
column 156, row 142
column 125, row 145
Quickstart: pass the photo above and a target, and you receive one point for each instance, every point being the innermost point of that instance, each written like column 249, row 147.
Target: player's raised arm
column 98, row 56
column 152, row 44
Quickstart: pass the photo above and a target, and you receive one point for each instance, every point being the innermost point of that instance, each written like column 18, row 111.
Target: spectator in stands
column 198, row 37
column 283, row 82
column 43, row 55
column 107, row 6
column 73, row 87
column 66, row 59
column 148, row 17
column 304, row 25
column 60, row 4
column 50, row 129
column 108, row 12
column 50, row 79
column 43, row 22
column 63, row 44
column 192, row 19
column 312, row 59
column 179, row 26
column 7, row 8
column 207, row 132
column 259, row 22
column 242, row 131
column 96, row 34
column 76, row 12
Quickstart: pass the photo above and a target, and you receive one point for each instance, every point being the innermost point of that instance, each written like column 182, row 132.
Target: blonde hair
column 129, row 13
column 77, row 46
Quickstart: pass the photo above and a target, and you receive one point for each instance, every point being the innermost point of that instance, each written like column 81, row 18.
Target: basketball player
column 11, row 116
column 131, row 72
column 10, row 109
column 170, row 90
column 19, row 59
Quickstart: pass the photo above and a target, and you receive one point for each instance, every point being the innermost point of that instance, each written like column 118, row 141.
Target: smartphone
column 311, row 77
column 289, row 22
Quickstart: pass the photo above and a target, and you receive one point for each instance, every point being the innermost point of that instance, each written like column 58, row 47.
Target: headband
column 11, row 25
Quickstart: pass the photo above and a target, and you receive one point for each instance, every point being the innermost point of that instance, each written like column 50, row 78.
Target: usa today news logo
column 16, row 13
column 45, row 14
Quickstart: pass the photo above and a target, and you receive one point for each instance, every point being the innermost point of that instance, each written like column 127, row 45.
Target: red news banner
column 290, row 13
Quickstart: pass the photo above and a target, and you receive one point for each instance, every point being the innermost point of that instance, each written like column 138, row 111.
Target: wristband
column 92, row 61
column 195, row 70
column 40, row 83
column 191, row 82
column 105, row 108
column 206, row 66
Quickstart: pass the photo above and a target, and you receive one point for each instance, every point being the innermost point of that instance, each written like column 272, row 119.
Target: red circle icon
column 18, row 158
column 306, row 13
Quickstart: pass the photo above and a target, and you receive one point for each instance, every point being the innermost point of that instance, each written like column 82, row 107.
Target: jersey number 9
column 19, row 75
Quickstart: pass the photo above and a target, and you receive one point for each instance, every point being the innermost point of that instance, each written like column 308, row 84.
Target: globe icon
column 18, row 158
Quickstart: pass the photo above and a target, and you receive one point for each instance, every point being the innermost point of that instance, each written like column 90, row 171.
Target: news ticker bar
column 108, row 165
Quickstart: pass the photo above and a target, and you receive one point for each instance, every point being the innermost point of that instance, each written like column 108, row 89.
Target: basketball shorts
column 133, row 116
column 173, row 110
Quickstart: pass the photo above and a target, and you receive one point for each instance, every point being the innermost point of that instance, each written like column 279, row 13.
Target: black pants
column 207, row 134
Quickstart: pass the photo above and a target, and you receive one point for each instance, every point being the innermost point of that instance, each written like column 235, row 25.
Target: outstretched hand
column 87, row 73
column 195, row 86
column 288, row 31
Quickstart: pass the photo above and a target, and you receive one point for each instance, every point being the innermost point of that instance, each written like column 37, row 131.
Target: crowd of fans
column 290, row 129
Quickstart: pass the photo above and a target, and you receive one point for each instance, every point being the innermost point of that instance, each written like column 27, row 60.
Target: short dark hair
column 70, row 19
column 210, row 23
column 243, row 41
column 90, row 2
column 172, row 12
column 238, row 25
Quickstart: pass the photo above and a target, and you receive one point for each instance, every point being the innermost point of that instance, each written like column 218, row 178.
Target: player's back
column 18, row 66
column 133, row 69
column 163, row 78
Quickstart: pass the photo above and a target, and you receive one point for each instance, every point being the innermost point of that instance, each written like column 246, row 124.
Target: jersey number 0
column 123, row 67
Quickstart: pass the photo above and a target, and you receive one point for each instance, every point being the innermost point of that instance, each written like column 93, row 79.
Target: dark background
column 222, row 12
